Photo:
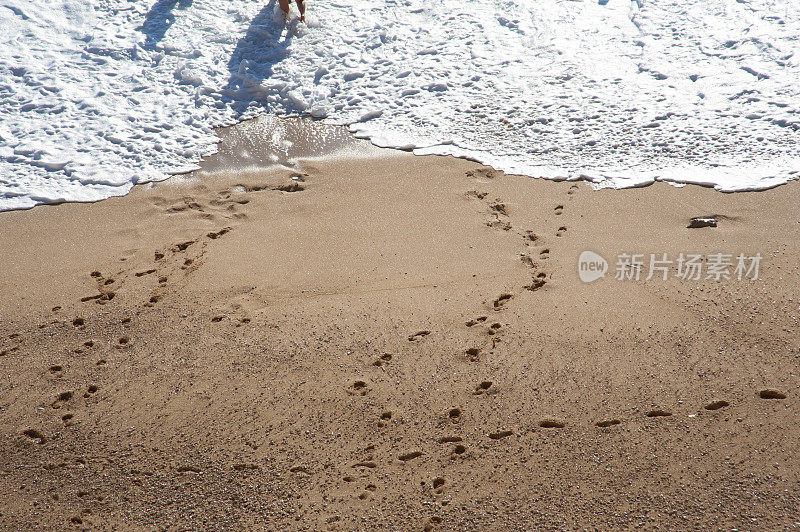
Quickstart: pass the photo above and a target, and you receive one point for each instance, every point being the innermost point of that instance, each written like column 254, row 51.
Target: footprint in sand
column 544, row 254
column 552, row 423
column 78, row 322
column 458, row 451
column 368, row 489
column 572, row 190
column 537, row 282
column 501, row 300
column 658, row 413
column 527, row 260
column 405, row 457
column 104, row 295
column 382, row 360
column 384, row 419
column 558, row 210
column 482, row 173
column 215, row 235
column 294, row 186
column 499, row 211
column 182, row 246
column 61, row 398
column 485, row 387
column 359, row 388
column 472, row 323
column 432, row 523
column 716, row 405
column 454, row 415
column 499, row 207
column 34, row 434
column 605, row 423
column 64, row 396
column 101, row 299
column 499, row 224
column 771, row 394
column 473, row 353
column 300, row 469
column 438, row 485
column 561, row 231
column 8, row 351
column 418, row 335
column 500, row 434
column 185, row 204
column 475, row 193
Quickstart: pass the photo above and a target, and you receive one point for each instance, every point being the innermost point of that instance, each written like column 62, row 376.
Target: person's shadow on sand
column 159, row 19
column 263, row 45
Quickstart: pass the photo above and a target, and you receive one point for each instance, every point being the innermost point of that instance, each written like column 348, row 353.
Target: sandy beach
column 396, row 342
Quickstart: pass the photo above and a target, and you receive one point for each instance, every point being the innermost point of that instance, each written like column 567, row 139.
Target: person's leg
column 284, row 5
column 301, row 5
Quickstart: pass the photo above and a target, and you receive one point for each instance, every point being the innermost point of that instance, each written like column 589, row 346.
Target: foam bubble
column 95, row 97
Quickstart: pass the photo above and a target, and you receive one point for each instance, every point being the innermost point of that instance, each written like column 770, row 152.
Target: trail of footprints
column 179, row 256
column 499, row 218
column 455, row 446
column 69, row 399
column 74, row 398
column 491, row 329
column 186, row 255
column 78, row 395
column 182, row 256
column 228, row 202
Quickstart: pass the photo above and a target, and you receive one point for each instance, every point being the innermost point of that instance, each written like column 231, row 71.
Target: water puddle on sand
column 268, row 141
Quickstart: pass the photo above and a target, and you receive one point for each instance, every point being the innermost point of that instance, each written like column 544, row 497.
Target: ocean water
column 98, row 95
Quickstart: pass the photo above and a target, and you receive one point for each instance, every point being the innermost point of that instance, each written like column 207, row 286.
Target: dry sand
column 400, row 343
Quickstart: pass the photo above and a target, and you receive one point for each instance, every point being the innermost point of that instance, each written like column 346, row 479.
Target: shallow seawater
column 268, row 141
column 96, row 97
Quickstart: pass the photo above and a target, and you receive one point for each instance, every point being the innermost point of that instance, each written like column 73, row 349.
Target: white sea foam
column 97, row 95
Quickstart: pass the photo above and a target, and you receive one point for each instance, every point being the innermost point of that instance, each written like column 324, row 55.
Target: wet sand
column 396, row 342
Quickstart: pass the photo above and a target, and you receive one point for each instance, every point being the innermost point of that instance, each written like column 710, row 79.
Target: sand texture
column 399, row 343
